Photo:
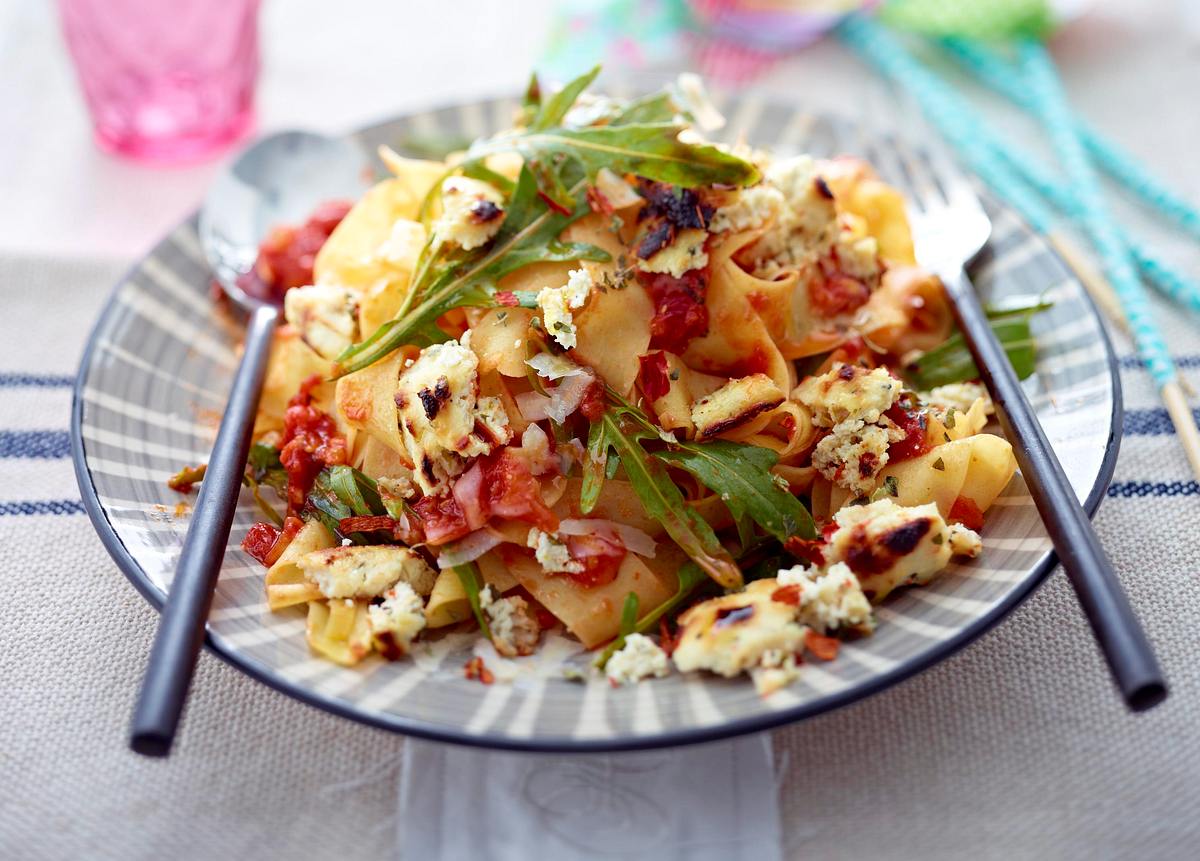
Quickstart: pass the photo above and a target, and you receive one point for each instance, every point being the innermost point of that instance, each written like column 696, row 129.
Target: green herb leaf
column 339, row 492
column 623, row 429
column 741, row 475
column 629, row 614
column 651, row 150
column 555, row 108
column 472, row 583
column 529, row 235
column 951, row 362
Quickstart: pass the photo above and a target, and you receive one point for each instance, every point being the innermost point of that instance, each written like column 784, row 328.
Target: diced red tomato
column 441, row 519
column 593, row 403
column 789, row 594
column 259, row 541
column 266, row 543
column 652, row 373
column 310, row 443
column 915, row 442
column 679, row 310
column 811, row 550
column 835, row 294
column 965, row 511
column 512, row 491
column 824, row 648
column 601, row 556
column 286, row 256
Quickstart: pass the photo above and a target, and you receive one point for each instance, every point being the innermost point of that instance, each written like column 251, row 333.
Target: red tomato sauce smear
column 286, row 256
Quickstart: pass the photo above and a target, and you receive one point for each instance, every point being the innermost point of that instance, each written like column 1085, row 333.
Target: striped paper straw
column 997, row 73
column 1042, row 79
column 1052, row 107
column 967, row 132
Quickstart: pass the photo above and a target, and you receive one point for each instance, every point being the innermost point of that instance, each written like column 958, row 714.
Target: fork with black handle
column 950, row 229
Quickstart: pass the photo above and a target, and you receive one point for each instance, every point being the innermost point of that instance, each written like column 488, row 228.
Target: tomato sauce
column 286, row 256
column 965, row 511
column 915, row 443
column 311, row 442
column 679, row 310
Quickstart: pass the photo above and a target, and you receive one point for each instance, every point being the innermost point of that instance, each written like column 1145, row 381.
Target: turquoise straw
column 1006, row 168
column 1051, row 106
column 966, row 132
column 995, row 71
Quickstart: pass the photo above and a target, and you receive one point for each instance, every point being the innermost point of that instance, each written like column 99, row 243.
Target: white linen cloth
column 1015, row 748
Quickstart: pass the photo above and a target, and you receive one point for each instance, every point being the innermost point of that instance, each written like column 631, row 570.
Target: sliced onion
column 554, row 367
column 563, row 400
column 535, row 446
column 633, row 538
column 468, row 493
column 469, row 549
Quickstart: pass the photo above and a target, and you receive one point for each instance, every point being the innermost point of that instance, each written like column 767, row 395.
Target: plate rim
column 764, row 721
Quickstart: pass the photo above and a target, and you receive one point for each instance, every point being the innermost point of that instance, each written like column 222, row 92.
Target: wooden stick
column 1091, row 278
column 1185, row 423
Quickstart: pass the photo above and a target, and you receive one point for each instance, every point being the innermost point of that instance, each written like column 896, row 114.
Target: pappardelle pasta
column 597, row 374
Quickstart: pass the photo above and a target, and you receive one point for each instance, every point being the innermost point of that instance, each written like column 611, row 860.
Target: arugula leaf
column 951, row 362
column 741, row 475
column 659, row 496
column 472, row 583
column 553, row 110
column 356, row 490
column 529, row 234
column 651, row 150
column 629, row 614
column 339, row 492
column 654, row 108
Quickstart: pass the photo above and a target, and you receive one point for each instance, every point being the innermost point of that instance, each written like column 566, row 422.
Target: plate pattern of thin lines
column 160, row 363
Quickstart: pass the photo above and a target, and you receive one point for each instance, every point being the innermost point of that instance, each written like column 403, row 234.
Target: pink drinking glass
column 167, row 81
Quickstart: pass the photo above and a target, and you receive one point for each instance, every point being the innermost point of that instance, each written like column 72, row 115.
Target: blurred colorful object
column 977, row 19
column 165, row 82
column 730, row 41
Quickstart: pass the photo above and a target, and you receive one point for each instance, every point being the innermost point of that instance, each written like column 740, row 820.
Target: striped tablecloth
column 1017, row 747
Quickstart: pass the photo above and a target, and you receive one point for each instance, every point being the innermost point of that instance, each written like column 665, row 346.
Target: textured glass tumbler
column 166, row 81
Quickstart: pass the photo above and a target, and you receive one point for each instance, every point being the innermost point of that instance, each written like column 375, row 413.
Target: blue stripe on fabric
column 1136, row 489
column 1152, row 422
column 1135, row 363
column 41, row 506
column 41, row 444
column 16, row 379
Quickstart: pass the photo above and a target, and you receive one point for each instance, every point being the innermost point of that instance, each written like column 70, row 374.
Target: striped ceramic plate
column 160, row 361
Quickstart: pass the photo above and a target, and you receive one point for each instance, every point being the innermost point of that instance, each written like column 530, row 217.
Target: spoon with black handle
column 278, row 180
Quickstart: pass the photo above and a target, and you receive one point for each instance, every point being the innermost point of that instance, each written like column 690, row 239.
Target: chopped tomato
column 476, row 670
column 512, row 491
column 811, row 550
column 679, row 310
column 593, row 403
column 965, row 511
column 789, row 594
column 507, row 298
column 441, row 518
column 310, row 443
column 286, row 256
column 601, row 556
column 652, row 373
column 835, row 294
column 915, row 442
column 259, row 541
column 266, row 543
column 824, row 648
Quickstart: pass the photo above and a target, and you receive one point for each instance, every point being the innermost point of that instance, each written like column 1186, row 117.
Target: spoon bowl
column 278, row 180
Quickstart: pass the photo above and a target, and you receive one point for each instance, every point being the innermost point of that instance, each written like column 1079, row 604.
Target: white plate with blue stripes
column 160, row 361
